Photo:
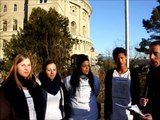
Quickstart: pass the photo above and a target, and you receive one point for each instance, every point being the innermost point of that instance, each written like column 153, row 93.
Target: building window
column 5, row 25
column 73, row 10
column 43, row 1
column 73, row 27
column 14, row 24
column 15, row 7
column 84, row 14
column 4, row 43
column 84, row 31
column 5, row 8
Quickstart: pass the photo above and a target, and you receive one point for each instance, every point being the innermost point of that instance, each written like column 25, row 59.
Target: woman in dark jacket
column 21, row 96
column 54, row 92
column 121, row 86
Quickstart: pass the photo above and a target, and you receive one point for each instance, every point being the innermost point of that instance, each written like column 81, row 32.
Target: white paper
column 133, row 108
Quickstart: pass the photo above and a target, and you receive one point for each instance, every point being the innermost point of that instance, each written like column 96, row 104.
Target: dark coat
column 53, row 87
column 64, row 106
column 134, row 89
column 153, row 84
column 13, row 104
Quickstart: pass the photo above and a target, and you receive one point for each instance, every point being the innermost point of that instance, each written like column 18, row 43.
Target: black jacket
column 153, row 84
column 53, row 87
column 64, row 107
column 13, row 103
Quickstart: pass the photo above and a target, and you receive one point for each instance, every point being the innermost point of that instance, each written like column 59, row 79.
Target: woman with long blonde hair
column 21, row 96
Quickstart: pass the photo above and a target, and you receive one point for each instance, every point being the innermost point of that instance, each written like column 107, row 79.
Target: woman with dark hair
column 82, row 87
column 54, row 92
column 121, row 86
column 21, row 96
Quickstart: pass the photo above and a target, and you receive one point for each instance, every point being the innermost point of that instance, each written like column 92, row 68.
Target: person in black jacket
column 150, row 99
column 121, row 86
column 54, row 92
column 21, row 96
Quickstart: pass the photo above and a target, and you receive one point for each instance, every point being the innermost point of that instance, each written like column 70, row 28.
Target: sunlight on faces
column 121, row 60
column 85, row 66
column 154, row 53
column 51, row 71
column 24, row 68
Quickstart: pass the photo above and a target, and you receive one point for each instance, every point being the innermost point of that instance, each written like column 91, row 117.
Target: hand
column 146, row 117
column 143, row 101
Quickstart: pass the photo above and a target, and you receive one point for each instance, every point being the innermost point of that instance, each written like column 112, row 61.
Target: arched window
column 14, row 24
column 5, row 8
column 15, row 7
column 5, row 25
column 73, row 27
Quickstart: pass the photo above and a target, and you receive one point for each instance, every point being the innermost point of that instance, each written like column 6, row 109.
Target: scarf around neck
column 26, row 82
column 51, row 87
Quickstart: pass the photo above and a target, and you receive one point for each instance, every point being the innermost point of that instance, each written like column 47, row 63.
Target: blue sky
column 107, row 23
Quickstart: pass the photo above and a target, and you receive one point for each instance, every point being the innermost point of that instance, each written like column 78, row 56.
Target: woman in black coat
column 54, row 93
column 21, row 96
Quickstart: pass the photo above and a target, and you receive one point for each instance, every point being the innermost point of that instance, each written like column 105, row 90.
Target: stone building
column 13, row 12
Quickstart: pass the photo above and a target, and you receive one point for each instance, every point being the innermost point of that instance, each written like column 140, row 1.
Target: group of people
column 24, row 96
column 122, row 86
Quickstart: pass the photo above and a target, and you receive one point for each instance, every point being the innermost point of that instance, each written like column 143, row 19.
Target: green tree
column 45, row 36
column 152, row 27
column 100, row 60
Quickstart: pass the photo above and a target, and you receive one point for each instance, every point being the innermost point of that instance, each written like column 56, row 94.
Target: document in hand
column 133, row 108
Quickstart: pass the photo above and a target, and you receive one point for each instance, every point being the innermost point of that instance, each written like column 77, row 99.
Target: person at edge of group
column 54, row 92
column 83, row 87
column 122, row 86
column 1, row 78
column 20, row 95
column 150, row 99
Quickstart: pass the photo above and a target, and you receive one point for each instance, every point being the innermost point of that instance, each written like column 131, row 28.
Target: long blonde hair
column 13, row 70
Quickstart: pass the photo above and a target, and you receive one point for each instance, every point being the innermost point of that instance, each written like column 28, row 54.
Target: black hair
column 157, row 42
column 80, row 59
column 118, row 50
column 77, row 72
column 47, row 63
